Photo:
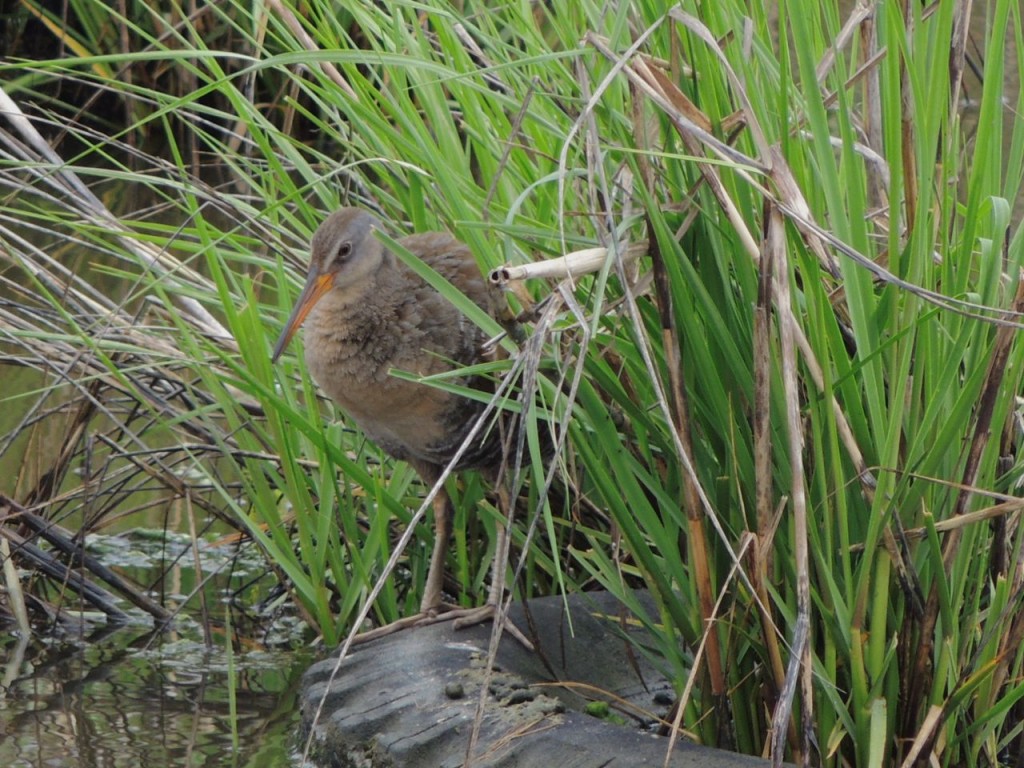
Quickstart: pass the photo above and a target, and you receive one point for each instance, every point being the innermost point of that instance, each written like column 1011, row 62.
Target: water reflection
column 129, row 697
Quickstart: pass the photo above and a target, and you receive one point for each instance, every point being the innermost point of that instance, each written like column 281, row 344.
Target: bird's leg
column 432, row 607
column 431, row 604
column 468, row 617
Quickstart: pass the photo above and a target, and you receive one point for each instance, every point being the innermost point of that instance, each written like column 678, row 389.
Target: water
column 129, row 698
column 91, row 695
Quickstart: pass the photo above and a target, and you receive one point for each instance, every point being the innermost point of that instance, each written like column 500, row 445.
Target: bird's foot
column 462, row 618
column 389, row 629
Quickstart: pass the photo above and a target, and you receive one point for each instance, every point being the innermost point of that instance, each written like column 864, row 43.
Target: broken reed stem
column 697, row 541
column 761, row 553
column 571, row 265
column 800, row 659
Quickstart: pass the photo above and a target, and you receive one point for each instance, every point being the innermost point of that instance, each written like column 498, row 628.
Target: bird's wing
column 455, row 263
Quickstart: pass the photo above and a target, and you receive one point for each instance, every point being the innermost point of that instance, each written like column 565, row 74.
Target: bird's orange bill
column 316, row 286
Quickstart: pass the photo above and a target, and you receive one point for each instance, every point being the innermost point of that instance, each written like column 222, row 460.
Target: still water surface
column 96, row 696
column 100, row 701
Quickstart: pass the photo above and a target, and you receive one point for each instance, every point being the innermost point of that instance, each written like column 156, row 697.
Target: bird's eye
column 344, row 251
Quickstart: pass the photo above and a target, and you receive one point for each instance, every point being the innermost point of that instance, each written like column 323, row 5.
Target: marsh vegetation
column 795, row 420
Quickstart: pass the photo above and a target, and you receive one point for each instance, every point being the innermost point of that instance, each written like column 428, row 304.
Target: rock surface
column 411, row 699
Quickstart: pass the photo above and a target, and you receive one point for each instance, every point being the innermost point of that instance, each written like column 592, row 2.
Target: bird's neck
column 356, row 325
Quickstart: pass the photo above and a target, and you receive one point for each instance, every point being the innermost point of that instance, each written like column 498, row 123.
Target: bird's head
column 344, row 255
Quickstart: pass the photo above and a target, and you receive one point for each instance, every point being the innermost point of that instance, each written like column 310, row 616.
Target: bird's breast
column 409, row 420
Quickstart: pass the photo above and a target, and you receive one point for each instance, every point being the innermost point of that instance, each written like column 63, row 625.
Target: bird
column 366, row 314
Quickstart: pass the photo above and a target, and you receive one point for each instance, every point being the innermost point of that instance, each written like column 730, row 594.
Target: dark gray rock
column 411, row 699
